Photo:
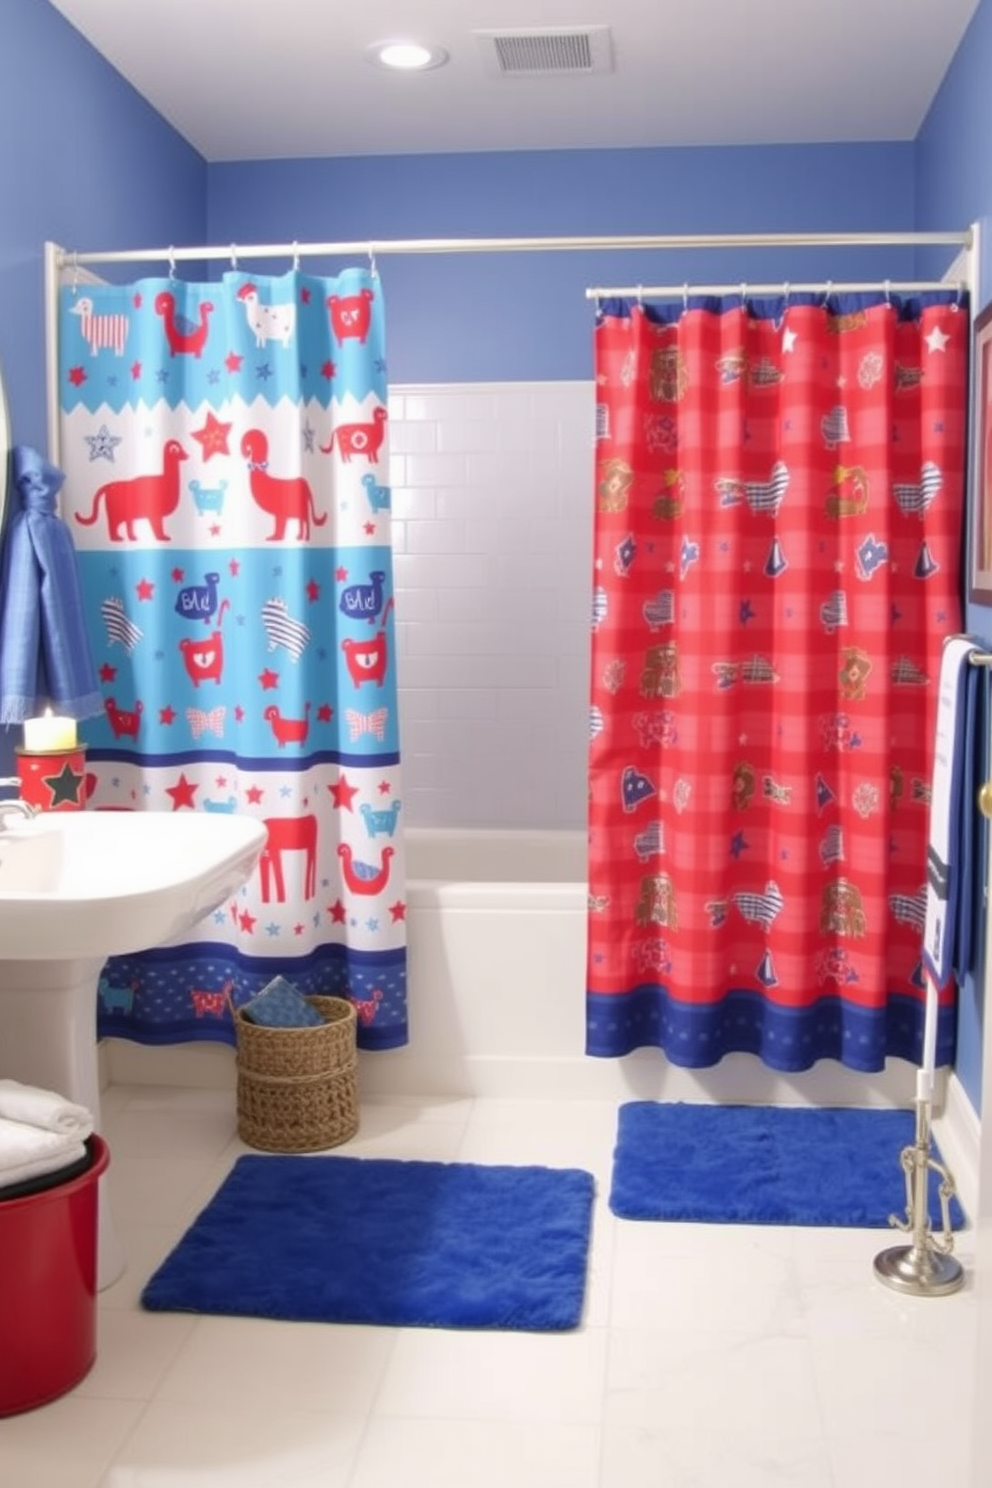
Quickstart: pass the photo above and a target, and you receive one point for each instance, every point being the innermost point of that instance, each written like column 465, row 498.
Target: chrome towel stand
column 927, row 1267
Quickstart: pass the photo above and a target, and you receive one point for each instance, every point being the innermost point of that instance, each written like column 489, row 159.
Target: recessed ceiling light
column 407, row 56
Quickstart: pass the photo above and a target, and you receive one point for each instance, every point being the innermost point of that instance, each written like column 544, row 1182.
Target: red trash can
column 48, row 1261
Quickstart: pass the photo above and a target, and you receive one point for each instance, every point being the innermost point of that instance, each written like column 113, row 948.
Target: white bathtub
column 496, row 926
column 496, row 935
column 462, row 867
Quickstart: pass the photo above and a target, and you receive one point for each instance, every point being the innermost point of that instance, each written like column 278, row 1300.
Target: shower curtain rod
column 235, row 251
column 828, row 286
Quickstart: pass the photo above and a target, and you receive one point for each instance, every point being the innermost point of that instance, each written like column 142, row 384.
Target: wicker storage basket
column 298, row 1087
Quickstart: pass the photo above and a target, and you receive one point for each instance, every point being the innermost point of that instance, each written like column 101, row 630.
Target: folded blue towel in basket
column 281, row 1005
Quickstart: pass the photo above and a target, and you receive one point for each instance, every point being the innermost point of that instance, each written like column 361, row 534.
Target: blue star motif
column 102, row 444
column 264, row 371
column 746, row 612
column 738, row 844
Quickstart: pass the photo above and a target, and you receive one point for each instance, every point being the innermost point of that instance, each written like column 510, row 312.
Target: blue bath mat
column 784, row 1165
column 401, row 1244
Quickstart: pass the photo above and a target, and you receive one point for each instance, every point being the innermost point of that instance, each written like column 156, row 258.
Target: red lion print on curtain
column 779, row 495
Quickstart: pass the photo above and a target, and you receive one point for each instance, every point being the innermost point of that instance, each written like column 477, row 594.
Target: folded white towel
column 44, row 1109
column 28, row 1152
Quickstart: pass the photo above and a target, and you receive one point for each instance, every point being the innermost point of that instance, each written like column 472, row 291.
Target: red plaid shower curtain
column 779, row 497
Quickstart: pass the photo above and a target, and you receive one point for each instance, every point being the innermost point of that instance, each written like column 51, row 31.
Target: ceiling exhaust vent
column 579, row 51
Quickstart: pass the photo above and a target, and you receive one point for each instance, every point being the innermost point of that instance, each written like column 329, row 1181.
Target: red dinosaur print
column 148, row 497
column 359, row 439
column 284, row 498
column 185, row 337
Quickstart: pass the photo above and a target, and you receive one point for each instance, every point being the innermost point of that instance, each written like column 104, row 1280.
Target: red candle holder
column 53, row 779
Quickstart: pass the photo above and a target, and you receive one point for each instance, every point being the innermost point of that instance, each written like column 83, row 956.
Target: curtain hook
column 172, row 262
column 234, row 255
column 786, row 291
column 75, row 270
column 296, row 257
column 888, row 291
column 372, row 268
column 640, row 297
column 827, row 292
column 685, row 297
column 743, row 294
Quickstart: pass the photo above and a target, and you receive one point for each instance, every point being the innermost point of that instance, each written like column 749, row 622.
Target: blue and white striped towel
column 951, row 814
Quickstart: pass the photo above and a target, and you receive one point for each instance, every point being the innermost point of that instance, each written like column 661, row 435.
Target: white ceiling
column 267, row 79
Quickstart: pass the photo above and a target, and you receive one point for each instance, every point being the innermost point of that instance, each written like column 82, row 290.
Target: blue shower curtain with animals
column 226, row 457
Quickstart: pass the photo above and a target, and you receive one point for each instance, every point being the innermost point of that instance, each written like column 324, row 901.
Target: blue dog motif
column 226, row 807
column 378, row 495
column 208, row 498
column 380, row 821
column 116, row 999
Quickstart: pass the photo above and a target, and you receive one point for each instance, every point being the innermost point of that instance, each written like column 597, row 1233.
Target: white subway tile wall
column 492, row 532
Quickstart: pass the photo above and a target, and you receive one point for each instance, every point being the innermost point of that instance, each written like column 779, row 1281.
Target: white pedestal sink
column 75, row 888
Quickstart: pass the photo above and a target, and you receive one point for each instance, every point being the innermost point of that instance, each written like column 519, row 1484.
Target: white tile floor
column 709, row 1357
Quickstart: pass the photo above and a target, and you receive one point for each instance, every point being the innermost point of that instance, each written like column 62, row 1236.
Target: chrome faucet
column 16, row 806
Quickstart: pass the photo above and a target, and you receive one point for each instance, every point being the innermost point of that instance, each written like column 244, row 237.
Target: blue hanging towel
column 950, row 853
column 44, row 649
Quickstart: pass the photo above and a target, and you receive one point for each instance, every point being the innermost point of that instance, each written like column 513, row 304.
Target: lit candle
column 49, row 734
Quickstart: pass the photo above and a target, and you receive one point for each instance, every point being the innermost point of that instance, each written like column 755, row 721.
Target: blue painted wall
column 954, row 185
column 86, row 162
column 508, row 316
